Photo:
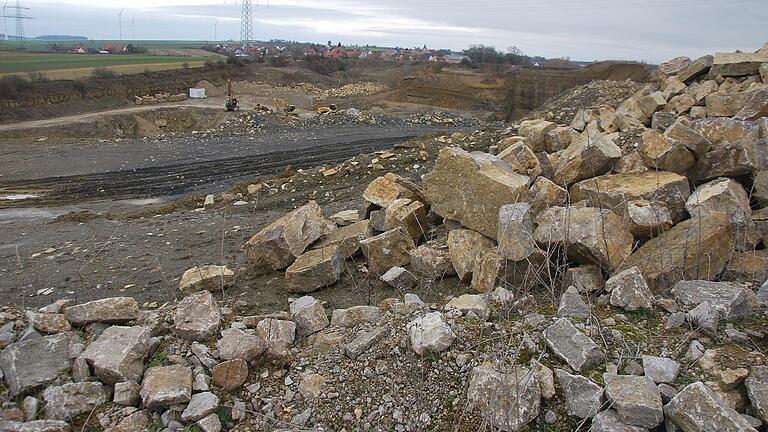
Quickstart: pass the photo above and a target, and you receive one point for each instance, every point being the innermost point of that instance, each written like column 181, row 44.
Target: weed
column 159, row 359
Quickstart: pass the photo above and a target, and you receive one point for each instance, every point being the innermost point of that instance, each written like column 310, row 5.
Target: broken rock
column 115, row 310
column 237, row 344
column 573, row 346
column 470, row 305
column 466, row 248
column 629, row 290
column 592, row 155
column 697, row 408
column 209, row 277
column 278, row 336
column 197, row 317
column 315, row 269
column 509, row 401
column 118, row 354
column 164, row 386
column 309, row 316
column 583, row 397
column 432, row 260
column 572, row 305
column 37, row 362
column 515, row 234
column 70, row 400
column 399, row 278
column 636, row 399
column 430, row 333
column 730, row 300
column 387, row 250
column 230, row 375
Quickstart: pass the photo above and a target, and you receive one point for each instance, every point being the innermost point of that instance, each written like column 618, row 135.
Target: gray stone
column 471, row 305
column 363, row 342
column 31, row 364
column 546, row 379
column 636, row 399
column 432, row 261
column 197, row 317
column 587, row 279
column 309, row 316
column 583, row 398
column 278, row 335
column 209, row 277
column 203, row 354
column 345, row 217
column 200, row 406
column 118, row 354
column 35, row 426
column 704, row 317
column 660, row 369
column 629, row 290
column 387, row 250
column 608, row 421
column 399, row 278
column 430, row 333
column 115, row 310
column 49, row 323
column 508, row 401
column 572, row 305
column 573, row 346
column 593, row 154
column 515, row 234
column 697, row 408
column 211, row 423
column 70, row 400
column 127, row 393
column 757, row 390
column 737, row 64
column 237, row 344
column 30, row 405
column 695, row 69
column 347, row 238
column 730, row 300
column 314, row 269
column 164, row 386
column 355, row 315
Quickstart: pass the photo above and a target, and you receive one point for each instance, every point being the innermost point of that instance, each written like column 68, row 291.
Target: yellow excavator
column 285, row 106
column 232, row 103
column 327, row 109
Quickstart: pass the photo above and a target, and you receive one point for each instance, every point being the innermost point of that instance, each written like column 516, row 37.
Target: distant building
column 113, row 48
column 79, row 49
column 456, row 58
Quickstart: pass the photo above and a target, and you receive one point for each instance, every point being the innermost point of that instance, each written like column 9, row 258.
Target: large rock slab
column 472, row 187
column 508, row 401
column 669, row 258
column 315, row 269
column 164, row 386
column 757, row 390
column 591, row 235
column 757, row 105
column 515, row 232
column 68, row 401
column 661, row 152
column 737, row 64
column 115, row 310
column 697, row 408
column 197, row 317
column 387, row 250
column 118, row 354
column 727, row 196
column 730, row 300
column 636, row 399
column 281, row 242
column 466, row 248
column 572, row 346
column 34, row 363
column 615, row 191
column 209, row 277
column 590, row 156
column 583, row 398
column 695, row 69
column 430, row 333
column 535, row 131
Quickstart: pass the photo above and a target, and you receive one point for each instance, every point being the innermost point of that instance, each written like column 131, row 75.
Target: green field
column 22, row 63
column 41, row 45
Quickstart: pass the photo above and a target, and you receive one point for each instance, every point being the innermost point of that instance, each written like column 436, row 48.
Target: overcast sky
column 650, row 30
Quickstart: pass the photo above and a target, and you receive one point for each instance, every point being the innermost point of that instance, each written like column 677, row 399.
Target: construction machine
column 285, row 106
column 327, row 109
column 232, row 103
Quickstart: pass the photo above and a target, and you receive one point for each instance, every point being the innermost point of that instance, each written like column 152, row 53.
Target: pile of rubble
column 347, row 90
column 562, row 108
column 611, row 288
column 159, row 98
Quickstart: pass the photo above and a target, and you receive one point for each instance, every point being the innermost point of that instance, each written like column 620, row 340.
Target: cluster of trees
column 481, row 54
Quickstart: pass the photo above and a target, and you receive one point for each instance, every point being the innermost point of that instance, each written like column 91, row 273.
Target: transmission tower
column 246, row 25
column 18, row 15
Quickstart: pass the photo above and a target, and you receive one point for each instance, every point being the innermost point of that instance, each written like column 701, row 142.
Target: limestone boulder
column 731, row 301
column 48, row 323
column 200, row 406
column 664, row 153
column 697, row 408
column 115, row 310
column 30, row 364
column 587, row 279
column 728, row 104
column 695, row 69
column 573, row 305
column 471, row 305
column 648, row 219
column 572, row 346
column 432, row 260
column 757, row 390
column 466, row 248
column 411, row 215
column 680, row 132
column 608, row 421
column 660, row 369
column 314, row 269
column 197, row 317
column 727, row 196
column 345, row 217
column 522, row 159
column 535, row 131
column 230, row 375
column 486, row 183
column 593, row 154
column 355, row 315
column 515, row 234
column 629, row 290
column 209, row 277
column 590, row 235
column 164, row 386
column 751, row 266
column 309, row 316
column 430, row 333
column 544, row 193
column 281, row 242
column 508, row 401
column 238, row 344
column 674, row 66
column 669, row 257
column 651, row 103
column 387, row 250
column 384, row 190
column 615, row 191
column 756, row 107
column 68, row 401
column 737, row 64
column 583, row 398
column 399, row 278
column 636, row 399
column 118, row 354
column 347, row 238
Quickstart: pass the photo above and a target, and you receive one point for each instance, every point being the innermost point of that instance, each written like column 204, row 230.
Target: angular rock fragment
column 35, row 426
column 345, row 218
column 281, row 242
column 278, row 336
column 118, row 354
column 430, row 333
column 697, row 408
column 68, row 401
column 387, row 250
column 384, row 190
column 127, row 393
column 660, row 369
column 522, row 159
column 748, row 266
column 315, row 269
column 470, row 305
column 757, row 390
column 408, row 214
column 695, row 69
column 648, row 219
column 466, row 248
column 583, row 398
column 355, row 315
column 200, row 406
column 586, row 279
column 572, row 305
column 309, row 316
column 164, row 386
column 515, row 234
column 508, row 401
column 362, row 343
column 608, row 421
column 197, row 317
column 629, row 290
column 237, row 344
column 115, row 310
column 636, row 399
column 730, row 300
column 37, row 362
column 347, row 238
column 48, row 323
column 727, row 196
column 209, row 277
column 230, row 375
column 663, row 153
column 399, row 278
column 737, row 64
column 486, row 183
column 432, row 260
column 544, row 193
column 573, row 346
column 704, row 317
column 590, row 156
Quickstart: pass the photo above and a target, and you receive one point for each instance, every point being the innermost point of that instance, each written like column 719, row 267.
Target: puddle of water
column 18, row 197
column 30, row 213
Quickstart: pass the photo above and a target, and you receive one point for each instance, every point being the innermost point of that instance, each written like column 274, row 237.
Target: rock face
column 466, row 248
column 636, row 399
column 583, row 397
column 507, row 401
column 315, row 269
column 237, row 344
column 430, row 333
column 164, row 386
column 757, row 390
column 728, row 299
column 388, row 250
column 209, row 277
column 697, row 408
column 282, row 241
column 573, row 346
column 115, row 310
column 669, row 258
column 615, row 191
column 590, row 156
column 309, row 316
column 515, row 234
column 590, row 235
column 629, row 290
column 34, row 363
column 118, row 354
column 70, row 400
column 486, row 183
column 197, row 316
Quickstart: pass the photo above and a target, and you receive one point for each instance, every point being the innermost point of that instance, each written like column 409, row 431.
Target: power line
column 19, row 17
column 246, row 24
